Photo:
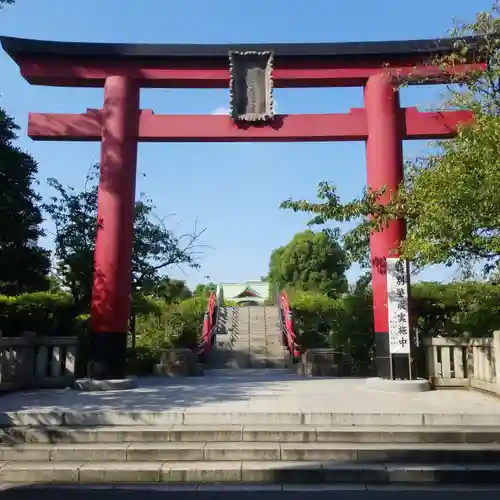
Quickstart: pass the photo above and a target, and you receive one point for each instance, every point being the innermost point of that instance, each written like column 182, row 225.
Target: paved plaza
column 246, row 396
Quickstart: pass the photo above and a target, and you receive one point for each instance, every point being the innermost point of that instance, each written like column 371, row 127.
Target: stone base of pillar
column 91, row 385
column 406, row 386
column 382, row 355
column 401, row 366
column 107, row 356
column 387, row 365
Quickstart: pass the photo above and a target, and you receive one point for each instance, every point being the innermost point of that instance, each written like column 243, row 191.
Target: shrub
column 150, row 331
column 316, row 318
column 344, row 324
column 45, row 313
column 142, row 304
column 177, row 325
column 81, row 330
column 456, row 309
column 356, row 334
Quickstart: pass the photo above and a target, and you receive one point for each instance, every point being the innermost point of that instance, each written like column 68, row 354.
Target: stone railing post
column 27, row 360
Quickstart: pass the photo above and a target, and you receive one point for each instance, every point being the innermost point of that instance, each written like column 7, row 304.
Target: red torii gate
column 123, row 69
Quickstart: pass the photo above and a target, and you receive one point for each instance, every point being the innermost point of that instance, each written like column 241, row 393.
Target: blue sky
column 233, row 190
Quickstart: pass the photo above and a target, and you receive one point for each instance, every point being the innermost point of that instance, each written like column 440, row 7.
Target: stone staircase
column 248, row 426
column 272, row 453
column 249, row 337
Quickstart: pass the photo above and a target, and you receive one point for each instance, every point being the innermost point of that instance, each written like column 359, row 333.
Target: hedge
column 46, row 313
column 440, row 309
column 174, row 325
column 177, row 325
column 456, row 309
column 344, row 323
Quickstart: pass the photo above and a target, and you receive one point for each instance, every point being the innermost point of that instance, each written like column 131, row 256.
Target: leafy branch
column 449, row 198
column 155, row 247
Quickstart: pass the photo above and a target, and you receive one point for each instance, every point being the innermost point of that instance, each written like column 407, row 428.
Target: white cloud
column 221, row 110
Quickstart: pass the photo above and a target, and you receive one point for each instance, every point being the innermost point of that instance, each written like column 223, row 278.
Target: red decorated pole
column 384, row 163
column 111, row 293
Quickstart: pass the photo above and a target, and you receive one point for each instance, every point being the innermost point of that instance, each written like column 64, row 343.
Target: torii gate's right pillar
column 384, row 163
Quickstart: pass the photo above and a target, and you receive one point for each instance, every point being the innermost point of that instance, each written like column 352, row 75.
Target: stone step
column 258, row 363
column 240, row 363
column 251, row 376
column 236, row 364
column 255, row 451
column 270, row 354
column 263, row 356
column 248, row 433
column 261, row 415
column 264, row 351
column 246, row 472
column 255, row 357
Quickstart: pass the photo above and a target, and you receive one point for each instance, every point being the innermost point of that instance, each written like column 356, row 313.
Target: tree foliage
column 204, row 289
column 24, row 265
column 6, row 2
column 450, row 196
column 171, row 290
column 155, row 248
column 458, row 309
column 310, row 262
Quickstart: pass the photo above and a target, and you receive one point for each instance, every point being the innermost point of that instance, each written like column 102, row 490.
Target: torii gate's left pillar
column 111, row 292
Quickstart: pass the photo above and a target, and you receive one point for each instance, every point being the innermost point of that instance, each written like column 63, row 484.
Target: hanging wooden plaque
column 251, row 86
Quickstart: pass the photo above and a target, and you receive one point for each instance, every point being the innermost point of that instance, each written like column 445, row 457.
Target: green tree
column 204, row 289
column 155, row 248
column 24, row 265
column 5, row 2
column 310, row 262
column 450, row 197
column 171, row 290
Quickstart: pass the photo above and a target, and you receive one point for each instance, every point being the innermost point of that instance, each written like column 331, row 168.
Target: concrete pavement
column 249, row 397
column 333, row 431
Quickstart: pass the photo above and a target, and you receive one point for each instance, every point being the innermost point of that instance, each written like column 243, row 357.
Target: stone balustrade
column 32, row 361
column 473, row 363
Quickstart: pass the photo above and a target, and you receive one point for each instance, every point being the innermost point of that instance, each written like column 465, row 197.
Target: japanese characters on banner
column 397, row 306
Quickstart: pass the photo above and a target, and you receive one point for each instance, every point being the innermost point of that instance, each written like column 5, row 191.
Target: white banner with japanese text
column 398, row 306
